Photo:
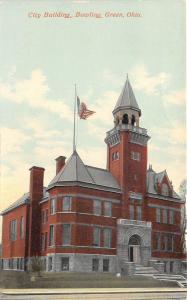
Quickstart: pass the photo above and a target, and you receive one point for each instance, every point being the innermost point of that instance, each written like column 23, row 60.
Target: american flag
column 83, row 112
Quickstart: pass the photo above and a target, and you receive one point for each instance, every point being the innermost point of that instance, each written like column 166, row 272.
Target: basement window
column 95, row 264
column 65, row 263
column 105, row 265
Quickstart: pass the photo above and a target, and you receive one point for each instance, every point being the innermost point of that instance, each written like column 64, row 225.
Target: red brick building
column 91, row 219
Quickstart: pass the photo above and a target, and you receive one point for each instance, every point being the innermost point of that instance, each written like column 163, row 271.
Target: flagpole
column 74, row 146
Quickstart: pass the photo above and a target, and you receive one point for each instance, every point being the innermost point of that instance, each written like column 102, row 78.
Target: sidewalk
column 90, row 291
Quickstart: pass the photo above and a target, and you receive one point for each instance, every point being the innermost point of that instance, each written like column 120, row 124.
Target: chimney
column 60, row 162
column 36, row 183
column 36, row 195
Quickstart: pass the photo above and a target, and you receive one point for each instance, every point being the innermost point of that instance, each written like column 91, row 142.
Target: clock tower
column 127, row 153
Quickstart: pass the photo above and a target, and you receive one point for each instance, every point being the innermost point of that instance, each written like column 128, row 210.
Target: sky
column 43, row 57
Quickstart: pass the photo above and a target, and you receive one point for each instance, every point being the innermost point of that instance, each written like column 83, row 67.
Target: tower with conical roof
column 127, row 153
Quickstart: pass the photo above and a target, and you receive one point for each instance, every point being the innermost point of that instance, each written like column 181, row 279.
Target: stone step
column 170, row 276
column 179, row 279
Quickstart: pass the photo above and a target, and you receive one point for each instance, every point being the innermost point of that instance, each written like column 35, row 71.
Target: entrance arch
column 134, row 249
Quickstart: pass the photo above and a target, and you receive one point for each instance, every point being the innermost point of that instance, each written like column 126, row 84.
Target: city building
column 90, row 219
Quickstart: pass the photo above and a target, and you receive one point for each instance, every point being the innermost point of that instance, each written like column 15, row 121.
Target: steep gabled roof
column 127, row 99
column 76, row 172
column 23, row 200
column 153, row 178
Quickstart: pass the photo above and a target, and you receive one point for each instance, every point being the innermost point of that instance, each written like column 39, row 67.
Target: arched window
column 134, row 240
column 117, row 121
column 133, row 120
column 125, row 119
column 165, row 189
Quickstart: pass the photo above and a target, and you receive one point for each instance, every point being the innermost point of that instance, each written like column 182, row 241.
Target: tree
column 183, row 189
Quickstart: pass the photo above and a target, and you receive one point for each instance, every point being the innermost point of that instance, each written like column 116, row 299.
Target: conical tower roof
column 74, row 170
column 127, row 99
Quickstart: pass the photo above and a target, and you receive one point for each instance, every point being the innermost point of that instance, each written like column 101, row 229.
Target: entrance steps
column 179, row 279
column 146, row 271
column 151, row 271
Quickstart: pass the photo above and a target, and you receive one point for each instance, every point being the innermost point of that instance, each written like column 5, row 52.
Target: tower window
column 125, row 119
column 135, row 155
column 133, row 120
column 115, row 155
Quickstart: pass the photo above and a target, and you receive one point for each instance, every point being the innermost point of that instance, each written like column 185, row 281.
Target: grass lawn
column 14, row 279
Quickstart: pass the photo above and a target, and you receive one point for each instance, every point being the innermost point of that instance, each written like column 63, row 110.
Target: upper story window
column 165, row 189
column 165, row 216
column 53, row 206
column 171, row 217
column 66, row 234
column 22, row 228
column 139, row 213
column 135, row 156
column 13, row 230
column 51, row 235
column 107, row 233
column 66, row 206
column 108, row 209
column 97, row 207
column 131, row 212
column 96, row 236
column 158, row 215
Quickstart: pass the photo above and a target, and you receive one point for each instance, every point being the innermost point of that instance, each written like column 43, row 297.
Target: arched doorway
column 134, row 249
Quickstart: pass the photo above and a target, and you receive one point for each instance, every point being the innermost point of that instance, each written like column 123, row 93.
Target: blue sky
column 42, row 59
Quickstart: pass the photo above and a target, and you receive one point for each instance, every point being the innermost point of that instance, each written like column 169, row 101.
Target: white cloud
column 148, row 83
column 175, row 134
column 175, row 97
column 12, row 140
column 104, row 106
column 34, row 91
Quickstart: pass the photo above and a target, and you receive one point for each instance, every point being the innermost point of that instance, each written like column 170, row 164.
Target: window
column 158, row 215
column 43, row 216
column 95, row 264
column 165, row 189
column 66, row 234
column 165, row 216
column 43, row 241
column 115, row 155
column 105, row 265
column 108, row 209
column 165, row 242
column 51, row 235
column 53, row 206
column 135, row 155
column 50, row 263
column 46, row 215
column 171, row 266
column 13, row 230
column 96, row 236
column 22, row 228
column 65, row 263
column 66, row 203
column 107, row 233
column 171, row 217
column 97, row 207
column 139, row 213
column 157, row 241
column 131, row 212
